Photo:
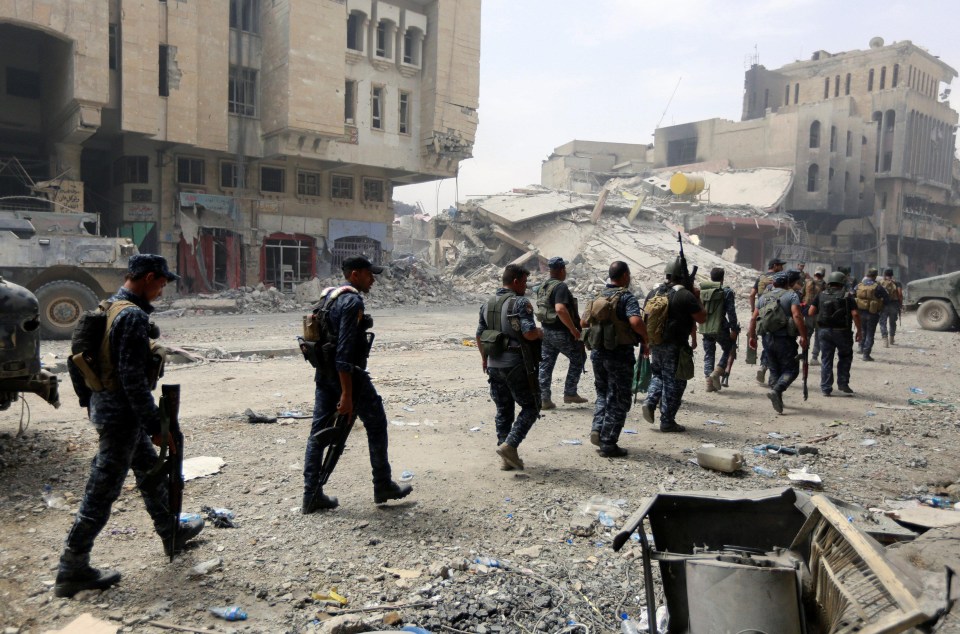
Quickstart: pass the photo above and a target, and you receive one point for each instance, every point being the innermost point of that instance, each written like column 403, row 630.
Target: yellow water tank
column 686, row 184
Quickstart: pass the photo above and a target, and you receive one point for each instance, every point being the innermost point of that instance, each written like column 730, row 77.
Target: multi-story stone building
column 249, row 140
column 871, row 139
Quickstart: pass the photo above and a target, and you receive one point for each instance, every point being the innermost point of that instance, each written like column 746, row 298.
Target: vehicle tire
column 935, row 314
column 61, row 304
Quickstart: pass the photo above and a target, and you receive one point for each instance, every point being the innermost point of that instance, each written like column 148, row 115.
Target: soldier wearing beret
column 126, row 419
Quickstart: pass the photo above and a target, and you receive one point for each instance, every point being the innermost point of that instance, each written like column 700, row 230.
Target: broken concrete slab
column 511, row 210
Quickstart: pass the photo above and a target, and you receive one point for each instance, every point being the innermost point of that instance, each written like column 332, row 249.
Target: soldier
column 763, row 283
column 721, row 327
column 506, row 323
column 344, row 387
column 779, row 320
column 803, row 274
column 126, row 418
column 558, row 314
column 811, row 289
column 834, row 310
column 870, row 300
column 616, row 327
column 668, row 334
column 892, row 308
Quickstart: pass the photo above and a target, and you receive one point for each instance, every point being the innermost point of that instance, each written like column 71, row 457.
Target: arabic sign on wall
column 141, row 212
column 218, row 204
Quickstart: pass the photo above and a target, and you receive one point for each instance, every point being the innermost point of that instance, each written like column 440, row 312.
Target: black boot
column 186, row 532
column 390, row 491
column 313, row 502
column 76, row 575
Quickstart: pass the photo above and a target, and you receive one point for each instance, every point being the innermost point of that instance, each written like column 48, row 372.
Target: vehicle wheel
column 61, row 304
column 935, row 314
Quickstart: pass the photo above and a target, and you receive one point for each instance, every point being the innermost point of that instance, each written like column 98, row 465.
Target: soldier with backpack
column 504, row 334
column 892, row 308
column 871, row 297
column 127, row 420
column 560, row 319
column 670, row 313
column 835, row 311
column 779, row 321
column 613, row 328
column 721, row 327
column 763, row 283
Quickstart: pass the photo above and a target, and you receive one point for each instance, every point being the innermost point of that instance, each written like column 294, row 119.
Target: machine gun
column 169, row 466
column 687, row 275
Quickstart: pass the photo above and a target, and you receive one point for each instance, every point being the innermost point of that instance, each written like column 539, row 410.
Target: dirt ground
column 462, row 506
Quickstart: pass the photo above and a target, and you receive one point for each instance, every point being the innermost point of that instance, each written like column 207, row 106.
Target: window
column 271, row 179
column 381, row 39
column 242, row 92
column 796, row 93
column 891, row 118
column 786, row 95
column 230, row 175
column 830, row 175
column 870, row 80
column 308, row 183
column 294, row 255
column 846, row 84
column 826, row 88
column 815, row 134
column 404, row 113
column 887, row 161
column 341, row 187
column 355, row 31
column 836, row 86
column 350, row 101
column 408, row 41
column 164, row 88
column 131, row 169
column 190, row 171
column 849, row 143
column 883, row 77
column 883, row 200
column 833, row 138
column 23, row 83
column 896, row 76
column 245, row 15
column 112, row 47
column 812, row 175
column 681, row 151
column 373, row 190
column 376, row 108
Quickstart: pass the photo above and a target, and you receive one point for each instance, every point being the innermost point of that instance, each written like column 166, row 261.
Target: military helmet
column 672, row 268
column 837, row 278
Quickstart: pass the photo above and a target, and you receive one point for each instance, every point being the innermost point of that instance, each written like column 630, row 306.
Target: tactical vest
column 867, row 296
column 832, row 311
column 811, row 289
column 499, row 308
column 765, row 280
column 712, row 294
column 891, row 287
column 547, row 310
column 326, row 345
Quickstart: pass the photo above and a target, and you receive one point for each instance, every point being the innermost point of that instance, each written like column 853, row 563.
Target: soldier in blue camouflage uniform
column 558, row 314
column 684, row 311
column 834, row 311
column 125, row 420
column 347, row 389
column 505, row 370
column 781, row 346
column 726, row 338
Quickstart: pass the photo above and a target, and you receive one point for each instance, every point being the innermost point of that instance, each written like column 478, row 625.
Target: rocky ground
column 421, row 553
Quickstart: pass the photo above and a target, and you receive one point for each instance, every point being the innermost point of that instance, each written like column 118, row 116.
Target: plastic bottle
column 406, row 476
column 230, row 613
column 770, row 473
column 54, row 500
column 489, row 562
column 605, row 519
column 628, row 625
column 936, row 501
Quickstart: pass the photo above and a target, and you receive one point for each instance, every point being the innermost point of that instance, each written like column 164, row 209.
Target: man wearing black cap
column 891, row 308
column 125, row 417
column 344, row 387
column 870, row 300
column 560, row 319
column 762, row 284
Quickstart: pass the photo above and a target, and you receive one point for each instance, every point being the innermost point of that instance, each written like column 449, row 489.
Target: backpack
column 493, row 339
column 891, row 287
column 763, row 282
column 867, row 298
column 602, row 316
column 546, row 311
column 812, row 289
column 833, row 311
column 656, row 313
column 319, row 343
column 712, row 295
column 771, row 317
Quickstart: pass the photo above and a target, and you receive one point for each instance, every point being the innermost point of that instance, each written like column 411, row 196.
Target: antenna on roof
column 669, row 101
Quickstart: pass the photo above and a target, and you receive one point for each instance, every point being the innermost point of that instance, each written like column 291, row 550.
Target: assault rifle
column 687, row 274
column 531, row 352
column 725, row 381
column 169, row 467
column 333, row 439
column 806, row 370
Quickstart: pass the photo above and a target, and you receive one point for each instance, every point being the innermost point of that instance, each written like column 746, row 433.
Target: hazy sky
column 556, row 70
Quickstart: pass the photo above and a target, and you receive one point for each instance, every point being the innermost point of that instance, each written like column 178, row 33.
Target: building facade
column 584, row 166
column 249, row 140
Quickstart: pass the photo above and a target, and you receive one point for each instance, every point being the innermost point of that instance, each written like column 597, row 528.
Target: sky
column 603, row 70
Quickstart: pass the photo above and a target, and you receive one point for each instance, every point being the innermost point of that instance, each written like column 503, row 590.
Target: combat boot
column 595, row 438
column 187, row 531
column 76, row 575
column 574, row 398
column 510, row 456
column 647, row 411
column 710, row 386
column 612, row 451
column 776, row 399
column 390, row 491
column 547, row 404
column 886, row 342
column 762, row 374
column 716, row 378
column 313, row 502
column 893, row 340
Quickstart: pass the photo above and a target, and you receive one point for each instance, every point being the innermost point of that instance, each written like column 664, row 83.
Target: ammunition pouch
column 158, row 361
column 494, row 342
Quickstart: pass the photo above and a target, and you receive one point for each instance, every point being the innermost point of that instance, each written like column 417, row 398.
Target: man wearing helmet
column 834, row 311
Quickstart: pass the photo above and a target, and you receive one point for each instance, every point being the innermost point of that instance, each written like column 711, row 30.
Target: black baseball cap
column 144, row 263
column 774, row 262
column 358, row 263
column 556, row 263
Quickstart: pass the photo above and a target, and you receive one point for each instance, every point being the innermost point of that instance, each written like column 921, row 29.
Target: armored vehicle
column 937, row 300
column 69, row 269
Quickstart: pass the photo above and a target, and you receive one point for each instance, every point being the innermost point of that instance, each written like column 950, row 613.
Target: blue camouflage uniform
column 345, row 321
column 666, row 390
column 728, row 323
column 125, row 420
column 890, row 312
column 869, row 321
column 507, row 377
column 835, row 337
column 613, row 375
column 781, row 346
column 557, row 340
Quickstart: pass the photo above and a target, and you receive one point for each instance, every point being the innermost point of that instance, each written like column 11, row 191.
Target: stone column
column 66, row 161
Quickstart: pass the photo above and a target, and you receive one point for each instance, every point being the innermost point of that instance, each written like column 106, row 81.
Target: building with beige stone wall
column 249, row 140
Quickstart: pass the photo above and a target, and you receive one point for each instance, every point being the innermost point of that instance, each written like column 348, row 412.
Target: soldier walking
column 812, row 288
column 892, row 308
column 560, row 319
column 871, row 297
column 834, row 311
column 615, row 328
column 720, row 328
column 126, row 419
column 779, row 320
column 506, row 323
column 762, row 284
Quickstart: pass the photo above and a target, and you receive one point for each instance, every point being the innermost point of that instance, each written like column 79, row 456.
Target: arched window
column 836, row 86
column 870, row 80
column 826, row 87
column 815, row 134
column 883, row 78
column 786, row 95
column 849, row 143
column 891, row 118
column 796, row 93
column 355, row 30
column 812, row 175
column 833, row 138
column 846, row 86
column 896, row 76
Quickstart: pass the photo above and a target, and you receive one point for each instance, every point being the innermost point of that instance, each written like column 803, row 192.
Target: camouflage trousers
column 839, row 341
column 782, row 361
column 122, row 446
column 555, row 343
column 510, row 387
column 868, row 323
column 368, row 407
column 889, row 315
column 666, row 390
column 710, row 343
column 613, row 380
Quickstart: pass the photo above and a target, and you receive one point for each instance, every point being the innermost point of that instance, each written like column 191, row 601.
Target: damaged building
column 248, row 141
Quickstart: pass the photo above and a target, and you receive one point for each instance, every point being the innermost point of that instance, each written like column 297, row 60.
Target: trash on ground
column 54, row 499
column 406, row 476
column 201, row 466
column 836, row 423
column 720, row 459
column 205, row 567
column 916, row 390
column 230, row 613
column 930, row 402
column 571, row 441
column 775, row 449
column 714, row 422
column 293, row 413
column 597, row 503
column 776, row 436
column 868, row 442
column 803, row 475
column 330, row 595
column 925, row 517
column 769, row 473
column 86, row 623
column 629, row 431
column 257, row 417
column 605, row 520
column 220, row 518
column 474, row 429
